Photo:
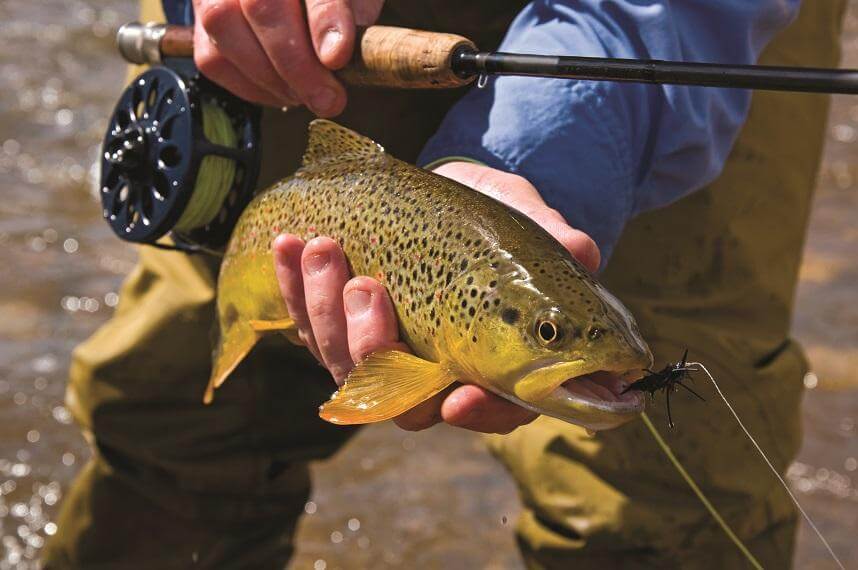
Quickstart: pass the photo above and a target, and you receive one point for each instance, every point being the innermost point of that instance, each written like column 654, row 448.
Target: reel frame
column 154, row 147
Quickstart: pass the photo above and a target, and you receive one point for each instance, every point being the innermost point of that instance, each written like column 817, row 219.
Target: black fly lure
column 666, row 379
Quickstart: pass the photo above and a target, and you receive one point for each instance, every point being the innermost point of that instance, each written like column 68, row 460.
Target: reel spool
column 180, row 156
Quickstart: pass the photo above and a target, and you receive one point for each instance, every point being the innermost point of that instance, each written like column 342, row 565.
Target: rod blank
column 772, row 78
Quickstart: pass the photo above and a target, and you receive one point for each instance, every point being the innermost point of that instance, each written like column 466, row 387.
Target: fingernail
column 317, row 263
column 329, row 44
column 323, row 100
column 358, row 302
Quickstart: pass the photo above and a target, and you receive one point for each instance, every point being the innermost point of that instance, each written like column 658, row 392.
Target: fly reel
column 180, row 156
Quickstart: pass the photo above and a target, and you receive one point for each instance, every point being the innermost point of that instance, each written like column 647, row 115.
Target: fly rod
column 406, row 58
column 181, row 155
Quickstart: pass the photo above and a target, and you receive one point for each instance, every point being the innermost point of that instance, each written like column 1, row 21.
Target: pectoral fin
column 383, row 386
column 236, row 342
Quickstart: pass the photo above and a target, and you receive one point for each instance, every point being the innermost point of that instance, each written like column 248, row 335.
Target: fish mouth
column 603, row 389
column 583, row 394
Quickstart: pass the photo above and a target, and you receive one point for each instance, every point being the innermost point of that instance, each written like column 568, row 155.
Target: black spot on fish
column 510, row 316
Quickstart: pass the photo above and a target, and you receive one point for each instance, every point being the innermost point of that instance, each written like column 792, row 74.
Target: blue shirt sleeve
column 178, row 12
column 602, row 152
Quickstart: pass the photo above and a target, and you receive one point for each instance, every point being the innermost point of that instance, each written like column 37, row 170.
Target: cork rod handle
column 384, row 56
column 408, row 59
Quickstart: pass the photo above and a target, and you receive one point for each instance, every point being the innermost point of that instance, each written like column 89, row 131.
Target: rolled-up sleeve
column 602, row 152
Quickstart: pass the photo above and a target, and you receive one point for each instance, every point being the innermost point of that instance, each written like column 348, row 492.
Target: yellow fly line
column 697, row 491
column 216, row 173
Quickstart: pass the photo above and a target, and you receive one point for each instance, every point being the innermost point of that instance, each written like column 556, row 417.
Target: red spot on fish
column 379, row 276
column 373, row 240
column 312, row 229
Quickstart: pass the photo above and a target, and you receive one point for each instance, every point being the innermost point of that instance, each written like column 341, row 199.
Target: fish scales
column 468, row 276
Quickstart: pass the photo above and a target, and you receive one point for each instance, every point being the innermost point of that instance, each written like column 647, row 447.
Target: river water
column 390, row 498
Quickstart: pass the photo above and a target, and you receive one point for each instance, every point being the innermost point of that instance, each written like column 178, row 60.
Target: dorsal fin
column 330, row 142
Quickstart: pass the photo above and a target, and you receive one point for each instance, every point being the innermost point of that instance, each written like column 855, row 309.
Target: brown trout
column 482, row 293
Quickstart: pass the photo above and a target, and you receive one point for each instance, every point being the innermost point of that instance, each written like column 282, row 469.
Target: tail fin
column 235, row 343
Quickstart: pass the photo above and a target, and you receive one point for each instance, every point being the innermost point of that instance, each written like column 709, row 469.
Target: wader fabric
column 715, row 273
column 173, row 482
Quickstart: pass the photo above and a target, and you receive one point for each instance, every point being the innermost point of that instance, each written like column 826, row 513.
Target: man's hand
column 342, row 319
column 274, row 53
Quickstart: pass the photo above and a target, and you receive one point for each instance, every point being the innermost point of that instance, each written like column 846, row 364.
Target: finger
column 287, row 266
column 580, row 245
column 228, row 30
column 325, row 275
column 219, row 69
column 424, row 415
column 332, row 29
column 283, row 33
column 511, row 189
column 372, row 326
column 476, row 409
column 370, row 319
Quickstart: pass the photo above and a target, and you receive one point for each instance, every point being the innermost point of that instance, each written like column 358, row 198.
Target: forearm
column 601, row 152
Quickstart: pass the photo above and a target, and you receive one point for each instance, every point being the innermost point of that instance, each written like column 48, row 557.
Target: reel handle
column 385, row 56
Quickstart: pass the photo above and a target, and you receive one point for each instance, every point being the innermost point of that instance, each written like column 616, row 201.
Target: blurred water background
column 391, row 498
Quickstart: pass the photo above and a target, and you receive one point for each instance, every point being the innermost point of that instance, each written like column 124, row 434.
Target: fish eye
column 547, row 331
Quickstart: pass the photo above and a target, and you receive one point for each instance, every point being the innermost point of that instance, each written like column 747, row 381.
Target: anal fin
column 383, row 386
column 238, row 341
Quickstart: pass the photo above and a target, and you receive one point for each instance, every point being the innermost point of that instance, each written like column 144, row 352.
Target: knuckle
column 321, row 306
column 209, row 62
column 515, row 179
column 327, row 343
column 484, row 178
column 555, row 215
column 259, row 10
column 317, row 8
column 215, row 15
column 294, row 61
